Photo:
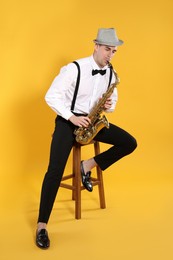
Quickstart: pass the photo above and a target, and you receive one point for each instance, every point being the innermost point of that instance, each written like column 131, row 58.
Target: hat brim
column 118, row 43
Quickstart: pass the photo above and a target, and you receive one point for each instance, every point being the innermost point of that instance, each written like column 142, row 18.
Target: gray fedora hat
column 108, row 37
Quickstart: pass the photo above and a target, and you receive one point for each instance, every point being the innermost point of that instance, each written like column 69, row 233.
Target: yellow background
column 37, row 38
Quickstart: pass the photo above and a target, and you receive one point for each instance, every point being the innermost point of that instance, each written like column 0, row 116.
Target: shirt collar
column 94, row 64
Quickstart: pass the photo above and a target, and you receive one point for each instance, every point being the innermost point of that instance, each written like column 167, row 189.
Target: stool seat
column 76, row 185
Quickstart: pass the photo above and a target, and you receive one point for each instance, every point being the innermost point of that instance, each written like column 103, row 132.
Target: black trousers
column 62, row 142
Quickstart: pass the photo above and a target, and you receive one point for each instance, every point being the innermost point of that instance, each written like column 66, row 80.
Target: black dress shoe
column 42, row 239
column 86, row 181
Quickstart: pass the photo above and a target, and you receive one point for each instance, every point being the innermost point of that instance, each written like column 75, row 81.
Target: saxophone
column 85, row 135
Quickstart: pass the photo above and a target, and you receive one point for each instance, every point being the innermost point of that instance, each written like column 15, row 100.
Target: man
column 72, row 95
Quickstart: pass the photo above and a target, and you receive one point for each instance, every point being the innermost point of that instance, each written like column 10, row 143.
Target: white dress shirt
column 91, row 88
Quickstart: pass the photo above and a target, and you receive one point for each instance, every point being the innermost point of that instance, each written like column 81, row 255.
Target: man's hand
column 80, row 120
column 108, row 103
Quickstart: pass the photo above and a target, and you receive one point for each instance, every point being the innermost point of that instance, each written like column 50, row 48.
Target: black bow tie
column 102, row 72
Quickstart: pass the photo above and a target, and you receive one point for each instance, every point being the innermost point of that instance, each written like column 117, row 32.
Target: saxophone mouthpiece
column 110, row 65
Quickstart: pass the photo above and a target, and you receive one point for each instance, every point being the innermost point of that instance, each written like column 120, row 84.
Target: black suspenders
column 77, row 85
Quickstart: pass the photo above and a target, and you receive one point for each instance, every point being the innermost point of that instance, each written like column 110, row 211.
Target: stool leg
column 100, row 179
column 74, row 175
column 76, row 162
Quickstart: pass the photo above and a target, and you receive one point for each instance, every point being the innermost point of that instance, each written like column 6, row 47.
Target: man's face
column 103, row 54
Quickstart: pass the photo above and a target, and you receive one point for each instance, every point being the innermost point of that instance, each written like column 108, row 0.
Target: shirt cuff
column 67, row 115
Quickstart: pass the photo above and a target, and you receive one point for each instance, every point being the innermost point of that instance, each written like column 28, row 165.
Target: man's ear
column 96, row 47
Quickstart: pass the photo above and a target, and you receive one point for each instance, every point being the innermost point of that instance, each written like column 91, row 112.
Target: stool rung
column 66, row 177
column 67, row 186
column 95, row 183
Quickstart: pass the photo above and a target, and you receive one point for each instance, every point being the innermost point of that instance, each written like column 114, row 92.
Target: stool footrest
column 95, row 181
column 66, row 177
column 67, row 186
column 70, row 187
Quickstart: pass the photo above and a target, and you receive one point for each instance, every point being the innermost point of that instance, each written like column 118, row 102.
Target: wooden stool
column 76, row 186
